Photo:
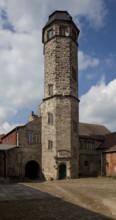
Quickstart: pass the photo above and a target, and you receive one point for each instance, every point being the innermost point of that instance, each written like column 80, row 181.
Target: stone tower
column 59, row 109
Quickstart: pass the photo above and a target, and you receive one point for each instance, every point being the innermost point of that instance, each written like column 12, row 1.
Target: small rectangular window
column 86, row 163
column 90, row 145
column 30, row 137
column 74, row 126
column 74, row 36
column 74, row 74
column 50, row 34
column 62, row 30
column 50, row 145
column 50, row 118
column 50, row 89
column 37, row 137
column 33, row 137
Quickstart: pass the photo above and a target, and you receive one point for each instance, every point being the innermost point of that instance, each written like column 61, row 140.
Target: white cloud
column 25, row 15
column 21, row 65
column 6, row 127
column 86, row 61
column 21, row 55
column 33, row 14
column 2, row 3
column 98, row 105
column 93, row 11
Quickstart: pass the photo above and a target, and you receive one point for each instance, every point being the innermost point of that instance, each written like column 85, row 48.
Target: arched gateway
column 32, row 170
column 62, row 171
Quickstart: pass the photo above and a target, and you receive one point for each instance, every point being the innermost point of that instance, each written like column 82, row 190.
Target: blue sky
column 101, row 44
column 21, row 59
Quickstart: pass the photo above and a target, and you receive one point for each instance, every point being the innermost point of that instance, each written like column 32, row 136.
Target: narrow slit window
column 74, row 126
column 74, row 36
column 50, row 145
column 50, row 89
column 74, row 74
column 50, row 118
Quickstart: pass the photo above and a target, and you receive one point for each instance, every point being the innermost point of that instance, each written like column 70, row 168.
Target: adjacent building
column 108, row 155
column 20, row 151
column 91, row 137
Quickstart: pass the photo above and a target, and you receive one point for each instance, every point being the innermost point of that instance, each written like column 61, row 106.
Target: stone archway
column 62, row 171
column 32, row 170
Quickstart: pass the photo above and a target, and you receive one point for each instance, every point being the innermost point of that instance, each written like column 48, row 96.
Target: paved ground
column 10, row 192
column 96, row 194
column 81, row 199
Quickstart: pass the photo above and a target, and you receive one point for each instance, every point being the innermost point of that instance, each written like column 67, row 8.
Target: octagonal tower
column 59, row 110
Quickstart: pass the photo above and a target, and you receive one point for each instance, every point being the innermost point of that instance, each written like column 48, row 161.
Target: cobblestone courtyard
column 83, row 199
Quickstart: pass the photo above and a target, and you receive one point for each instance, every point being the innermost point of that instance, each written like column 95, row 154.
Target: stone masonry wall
column 60, row 133
column 48, row 133
column 60, row 58
column 75, row 138
column 29, row 151
column 60, row 71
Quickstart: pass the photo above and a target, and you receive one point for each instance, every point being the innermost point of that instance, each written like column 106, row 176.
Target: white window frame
column 37, row 137
column 30, row 137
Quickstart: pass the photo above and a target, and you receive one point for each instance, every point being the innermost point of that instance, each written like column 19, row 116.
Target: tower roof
column 60, row 16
